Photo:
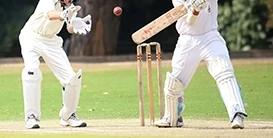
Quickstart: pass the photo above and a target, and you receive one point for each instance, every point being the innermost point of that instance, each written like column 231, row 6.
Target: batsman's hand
column 70, row 13
column 82, row 26
column 198, row 4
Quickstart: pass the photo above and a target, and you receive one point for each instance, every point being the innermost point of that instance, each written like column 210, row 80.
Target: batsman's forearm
column 192, row 16
column 54, row 15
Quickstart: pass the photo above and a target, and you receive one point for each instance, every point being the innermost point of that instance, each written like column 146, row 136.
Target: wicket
column 147, row 47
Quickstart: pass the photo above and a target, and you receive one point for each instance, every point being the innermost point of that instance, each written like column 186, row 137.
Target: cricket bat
column 159, row 23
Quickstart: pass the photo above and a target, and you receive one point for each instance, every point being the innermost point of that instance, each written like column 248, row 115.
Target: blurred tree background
column 245, row 24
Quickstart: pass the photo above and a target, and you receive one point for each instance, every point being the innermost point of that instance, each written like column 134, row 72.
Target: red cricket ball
column 117, row 11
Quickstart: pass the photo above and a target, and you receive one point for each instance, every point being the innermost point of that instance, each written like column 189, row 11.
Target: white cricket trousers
column 34, row 46
column 191, row 50
column 211, row 48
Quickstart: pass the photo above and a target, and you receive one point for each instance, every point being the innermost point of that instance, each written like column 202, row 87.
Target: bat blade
column 159, row 24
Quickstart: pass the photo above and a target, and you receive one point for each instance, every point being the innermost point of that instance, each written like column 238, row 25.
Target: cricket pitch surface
column 131, row 127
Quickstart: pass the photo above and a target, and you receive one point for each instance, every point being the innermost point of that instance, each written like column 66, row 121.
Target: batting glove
column 70, row 13
column 82, row 26
column 198, row 4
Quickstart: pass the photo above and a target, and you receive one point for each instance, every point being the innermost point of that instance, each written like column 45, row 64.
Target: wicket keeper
column 38, row 38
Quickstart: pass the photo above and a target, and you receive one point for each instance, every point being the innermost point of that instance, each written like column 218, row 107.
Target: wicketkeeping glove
column 198, row 4
column 70, row 13
column 82, row 26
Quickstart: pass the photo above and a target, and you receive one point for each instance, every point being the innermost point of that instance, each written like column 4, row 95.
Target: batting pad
column 31, row 80
column 173, row 91
column 71, row 95
column 222, row 71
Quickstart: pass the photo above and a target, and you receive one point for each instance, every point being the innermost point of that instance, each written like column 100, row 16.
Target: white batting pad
column 222, row 71
column 31, row 80
column 173, row 90
column 71, row 95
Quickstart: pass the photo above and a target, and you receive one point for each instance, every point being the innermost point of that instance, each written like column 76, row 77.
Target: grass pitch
column 110, row 92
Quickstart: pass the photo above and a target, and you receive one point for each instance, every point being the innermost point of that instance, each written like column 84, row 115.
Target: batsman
column 38, row 38
column 199, row 40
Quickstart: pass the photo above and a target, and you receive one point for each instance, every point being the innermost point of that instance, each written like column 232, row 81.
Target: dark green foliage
column 13, row 14
column 270, row 8
column 243, row 24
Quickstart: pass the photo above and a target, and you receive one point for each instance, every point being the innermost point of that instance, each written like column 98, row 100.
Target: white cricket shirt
column 38, row 21
column 205, row 22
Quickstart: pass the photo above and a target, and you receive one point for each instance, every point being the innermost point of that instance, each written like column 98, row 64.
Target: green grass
column 113, row 94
